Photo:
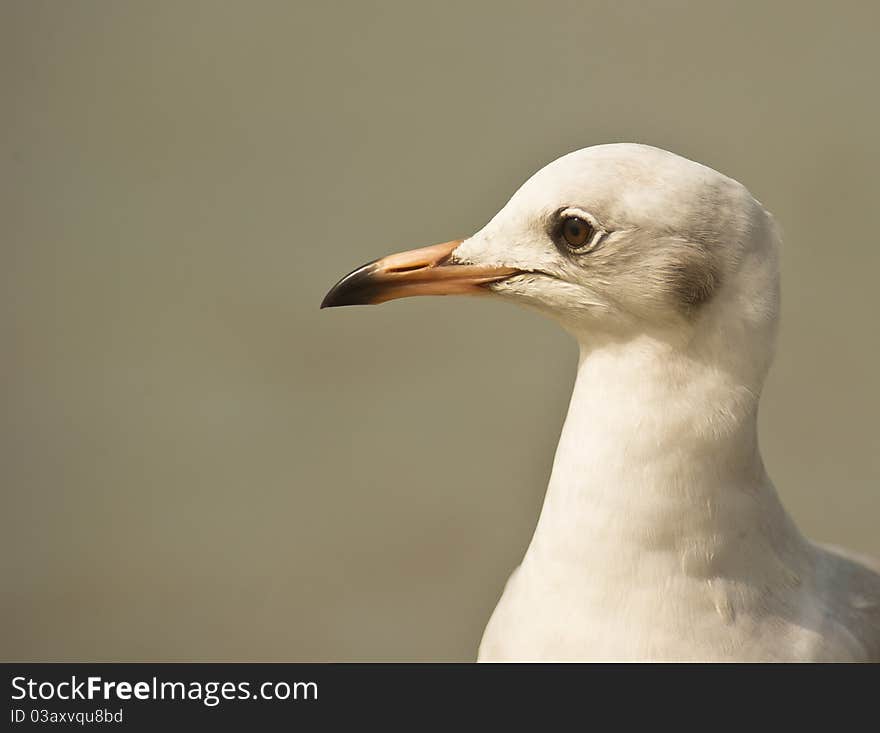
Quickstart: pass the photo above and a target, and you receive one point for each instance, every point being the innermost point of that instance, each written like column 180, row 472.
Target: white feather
column 661, row 536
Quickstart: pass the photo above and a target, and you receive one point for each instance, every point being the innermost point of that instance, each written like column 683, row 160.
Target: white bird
column 661, row 536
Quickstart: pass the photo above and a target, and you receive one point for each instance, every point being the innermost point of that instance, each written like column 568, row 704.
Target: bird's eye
column 577, row 232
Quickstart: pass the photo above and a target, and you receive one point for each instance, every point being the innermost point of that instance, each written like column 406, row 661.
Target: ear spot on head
column 694, row 278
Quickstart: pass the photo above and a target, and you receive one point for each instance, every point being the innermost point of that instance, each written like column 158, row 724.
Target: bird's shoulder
column 851, row 585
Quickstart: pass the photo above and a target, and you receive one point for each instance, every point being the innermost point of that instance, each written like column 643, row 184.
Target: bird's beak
column 425, row 271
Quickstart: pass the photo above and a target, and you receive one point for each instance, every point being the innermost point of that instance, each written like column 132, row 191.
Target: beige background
column 198, row 464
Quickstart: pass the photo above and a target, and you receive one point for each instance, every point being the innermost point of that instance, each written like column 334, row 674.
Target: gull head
column 616, row 242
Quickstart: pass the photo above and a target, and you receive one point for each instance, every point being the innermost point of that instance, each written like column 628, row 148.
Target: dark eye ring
column 577, row 232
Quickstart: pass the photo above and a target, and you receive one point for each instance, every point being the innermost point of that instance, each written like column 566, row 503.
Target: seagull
column 661, row 536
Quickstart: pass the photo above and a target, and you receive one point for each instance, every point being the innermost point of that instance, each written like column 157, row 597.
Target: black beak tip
column 356, row 288
column 333, row 300
column 335, row 297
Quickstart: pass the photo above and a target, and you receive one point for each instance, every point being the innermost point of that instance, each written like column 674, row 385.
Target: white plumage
column 661, row 536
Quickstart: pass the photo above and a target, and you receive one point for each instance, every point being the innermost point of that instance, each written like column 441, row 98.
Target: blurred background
column 198, row 464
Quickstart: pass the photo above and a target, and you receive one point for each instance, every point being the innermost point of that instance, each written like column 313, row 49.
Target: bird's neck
column 659, row 454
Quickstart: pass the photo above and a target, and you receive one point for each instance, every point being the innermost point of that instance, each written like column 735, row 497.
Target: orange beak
column 425, row 271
